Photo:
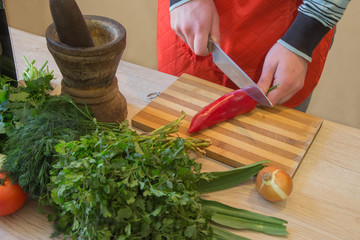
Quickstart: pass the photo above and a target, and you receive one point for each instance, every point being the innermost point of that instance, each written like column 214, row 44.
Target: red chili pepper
column 224, row 108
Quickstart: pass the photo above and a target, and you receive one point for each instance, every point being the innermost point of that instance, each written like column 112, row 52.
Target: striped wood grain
column 279, row 134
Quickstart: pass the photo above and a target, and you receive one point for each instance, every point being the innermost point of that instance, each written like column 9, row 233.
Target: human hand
column 285, row 68
column 194, row 22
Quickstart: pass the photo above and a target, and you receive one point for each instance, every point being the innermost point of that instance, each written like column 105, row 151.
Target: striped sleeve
column 176, row 3
column 326, row 12
column 314, row 20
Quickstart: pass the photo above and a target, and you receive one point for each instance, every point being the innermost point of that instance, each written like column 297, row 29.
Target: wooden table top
column 324, row 204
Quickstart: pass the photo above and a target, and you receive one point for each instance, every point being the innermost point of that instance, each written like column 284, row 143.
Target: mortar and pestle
column 88, row 49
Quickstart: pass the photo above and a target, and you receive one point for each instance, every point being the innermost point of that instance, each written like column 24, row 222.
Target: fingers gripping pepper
column 224, row 108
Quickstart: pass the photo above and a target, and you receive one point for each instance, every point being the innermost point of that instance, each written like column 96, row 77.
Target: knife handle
column 70, row 23
column 210, row 45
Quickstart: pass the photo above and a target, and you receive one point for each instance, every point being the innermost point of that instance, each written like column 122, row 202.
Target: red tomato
column 12, row 197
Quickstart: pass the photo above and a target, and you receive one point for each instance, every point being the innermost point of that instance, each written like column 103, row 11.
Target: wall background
column 336, row 98
column 137, row 16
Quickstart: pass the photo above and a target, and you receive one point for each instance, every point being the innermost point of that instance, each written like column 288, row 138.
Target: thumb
column 267, row 76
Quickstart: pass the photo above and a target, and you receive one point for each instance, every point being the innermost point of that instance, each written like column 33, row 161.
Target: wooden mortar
column 89, row 73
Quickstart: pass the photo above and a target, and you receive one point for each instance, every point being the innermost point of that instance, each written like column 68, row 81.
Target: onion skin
column 273, row 184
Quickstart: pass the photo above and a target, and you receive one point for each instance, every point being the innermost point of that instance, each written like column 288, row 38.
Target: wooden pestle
column 70, row 23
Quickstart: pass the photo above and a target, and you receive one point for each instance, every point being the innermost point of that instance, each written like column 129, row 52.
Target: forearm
column 314, row 20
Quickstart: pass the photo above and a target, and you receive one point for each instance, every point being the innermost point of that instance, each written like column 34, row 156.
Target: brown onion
column 273, row 184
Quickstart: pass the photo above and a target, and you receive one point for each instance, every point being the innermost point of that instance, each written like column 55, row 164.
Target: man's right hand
column 194, row 22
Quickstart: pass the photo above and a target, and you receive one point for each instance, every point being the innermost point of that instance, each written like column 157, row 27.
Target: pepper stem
column 272, row 88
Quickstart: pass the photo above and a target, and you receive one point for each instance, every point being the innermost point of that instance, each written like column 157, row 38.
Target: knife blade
column 237, row 75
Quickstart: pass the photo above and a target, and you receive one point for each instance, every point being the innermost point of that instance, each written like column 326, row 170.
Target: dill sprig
column 30, row 149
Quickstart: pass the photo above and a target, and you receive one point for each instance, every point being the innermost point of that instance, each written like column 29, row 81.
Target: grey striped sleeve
column 314, row 20
column 176, row 3
column 328, row 12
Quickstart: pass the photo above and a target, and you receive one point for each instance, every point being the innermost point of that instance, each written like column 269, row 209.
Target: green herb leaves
column 18, row 104
column 30, row 148
column 129, row 186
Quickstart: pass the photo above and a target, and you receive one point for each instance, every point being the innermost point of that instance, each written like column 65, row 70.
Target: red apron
column 249, row 28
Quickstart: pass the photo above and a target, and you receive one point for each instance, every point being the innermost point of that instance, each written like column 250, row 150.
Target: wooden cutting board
column 279, row 134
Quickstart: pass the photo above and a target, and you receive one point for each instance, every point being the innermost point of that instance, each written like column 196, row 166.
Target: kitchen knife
column 237, row 75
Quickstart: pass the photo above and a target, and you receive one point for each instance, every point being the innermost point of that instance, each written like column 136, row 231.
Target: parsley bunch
column 121, row 185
